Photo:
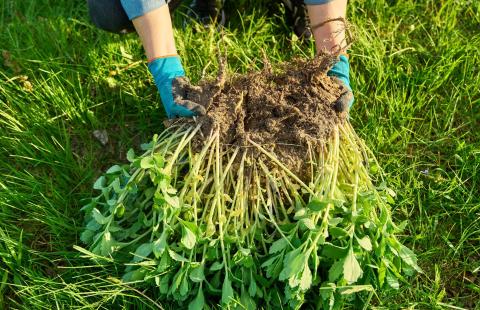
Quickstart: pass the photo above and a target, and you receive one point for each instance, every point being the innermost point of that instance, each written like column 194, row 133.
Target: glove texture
column 169, row 77
column 341, row 72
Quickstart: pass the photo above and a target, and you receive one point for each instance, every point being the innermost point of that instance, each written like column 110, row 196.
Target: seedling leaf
column 177, row 257
column 306, row 280
column 216, row 266
column 99, row 183
column 188, row 238
column 199, row 302
column 227, row 291
column 99, row 218
column 142, row 252
column 351, row 268
column 278, row 245
column 114, row 169
column 409, row 257
column 317, row 205
column 365, row 243
column 197, row 275
column 336, row 270
column 160, row 244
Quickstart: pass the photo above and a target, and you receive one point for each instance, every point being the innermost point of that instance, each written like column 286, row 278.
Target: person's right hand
column 170, row 79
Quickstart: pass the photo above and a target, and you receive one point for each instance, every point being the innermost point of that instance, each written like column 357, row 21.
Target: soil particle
column 285, row 110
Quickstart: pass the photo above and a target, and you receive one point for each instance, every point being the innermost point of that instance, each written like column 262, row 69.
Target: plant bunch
column 222, row 227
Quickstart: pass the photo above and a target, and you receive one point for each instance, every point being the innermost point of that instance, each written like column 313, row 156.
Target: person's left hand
column 341, row 73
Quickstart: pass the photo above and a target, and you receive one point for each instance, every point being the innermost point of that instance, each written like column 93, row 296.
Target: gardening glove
column 340, row 72
column 170, row 79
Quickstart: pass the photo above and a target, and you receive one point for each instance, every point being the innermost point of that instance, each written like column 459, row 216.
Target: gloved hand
column 170, row 79
column 341, row 72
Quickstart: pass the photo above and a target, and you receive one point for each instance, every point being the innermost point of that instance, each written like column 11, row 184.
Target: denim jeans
column 116, row 15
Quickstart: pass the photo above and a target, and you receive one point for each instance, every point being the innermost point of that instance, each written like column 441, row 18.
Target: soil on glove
column 285, row 110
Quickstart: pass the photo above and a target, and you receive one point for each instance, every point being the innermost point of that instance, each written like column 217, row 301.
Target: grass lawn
column 416, row 79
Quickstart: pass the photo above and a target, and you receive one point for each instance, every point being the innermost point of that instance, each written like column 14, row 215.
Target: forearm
column 153, row 24
column 328, row 30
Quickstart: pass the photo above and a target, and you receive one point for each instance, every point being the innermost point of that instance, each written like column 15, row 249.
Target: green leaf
column 113, row 228
column 335, row 271
column 327, row 291
column 332, row 251
column 273, row 266
column 107, row 244
column 172, row 201
column 120, row 210
column 246, row 301
column 116, row 186
column 147, row 162
column 87, row 236
column 409, row 257
column 292, row 264
column 227, row 291
column 93, row 225
column 164, row 263
column 317, row 205
column 164, row 284
column 308, row 222
column 131, row 155
column 306, row 280
column 334, row 221
column 197, row 274
column 100, row 183
column 382, row 270
column 365, row 243
column 190, row 225
column 392, row 281
column 160, row 244
column 114, row 169
column 216, row 266
column 134, row 275
column 301, row 213
column 99, row 218
column 338, row 232
column 142, row 252
column 278, row 245
column 361, row 219
column 269, row 261
column 177, row 281
column 252, row 288
column 199, row 302
column 159, row 160
column 351, row 268
column 177, row 257
column 146, row 146
column 348, row 290
column 188, row 238
column 184, row 286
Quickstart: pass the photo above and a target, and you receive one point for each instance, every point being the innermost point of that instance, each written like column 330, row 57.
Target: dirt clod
column 285, row 110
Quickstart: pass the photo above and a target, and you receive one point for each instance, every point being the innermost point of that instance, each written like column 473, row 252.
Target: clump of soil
column 285, row 110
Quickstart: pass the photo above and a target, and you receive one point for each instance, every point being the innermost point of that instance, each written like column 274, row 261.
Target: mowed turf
column 416, row 77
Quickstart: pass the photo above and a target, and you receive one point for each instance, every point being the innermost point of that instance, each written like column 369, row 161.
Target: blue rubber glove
column 170, row 79
column 341, row 72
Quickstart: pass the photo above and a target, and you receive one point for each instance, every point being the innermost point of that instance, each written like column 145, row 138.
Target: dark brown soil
column 283, row 110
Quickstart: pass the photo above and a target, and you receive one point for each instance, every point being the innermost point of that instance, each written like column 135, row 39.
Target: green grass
column 416, row 77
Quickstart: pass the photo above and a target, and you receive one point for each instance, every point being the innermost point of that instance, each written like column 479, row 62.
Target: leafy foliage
column 204, row 232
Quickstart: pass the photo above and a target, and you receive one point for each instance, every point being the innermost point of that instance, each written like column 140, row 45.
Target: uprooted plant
column 260, row 203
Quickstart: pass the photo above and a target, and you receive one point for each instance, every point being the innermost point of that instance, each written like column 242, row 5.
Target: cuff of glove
column 341, row 70
column 166, row 68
